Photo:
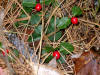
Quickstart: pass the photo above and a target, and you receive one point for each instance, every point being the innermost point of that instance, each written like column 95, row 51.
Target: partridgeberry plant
column 62, row 23
column 64, row 46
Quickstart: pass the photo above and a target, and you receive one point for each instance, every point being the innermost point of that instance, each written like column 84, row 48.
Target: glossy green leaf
column 30, row 39
column 76, row 11
column 51, row 27
column 61, row 60
column 35, row 18
column 67, row 46
column 49, row 58
column 28, row 9
column 57, row 36
column 16, row 24
column 52, row 21
column 16, row 52
column 64, row 23
column 28, row 3
column 32, row 3
column 48, row 48
column 38, row 29
column 43, row 51
column 23, row 16
column 0, row 44
column 36, row 35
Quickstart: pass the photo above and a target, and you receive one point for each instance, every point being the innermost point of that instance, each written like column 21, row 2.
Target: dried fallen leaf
column 87, row 63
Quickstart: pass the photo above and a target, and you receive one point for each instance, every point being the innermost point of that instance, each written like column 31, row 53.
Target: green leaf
column 76, row 11
column 30, row 39
column 15, row 51
column 32, row 3
column 11, row 59
column 38, row 29
column 52, row 21
column 28, row 3
column 57, row 36
column 36, row 35
column 0, row 44
column 51, row 27
column 16, row 24
column 28, row 9
column 23, row 16
column 35, row 18
column 57, row 48
column 49, row 58
column 64, row 23
column 48, row 48
column 61, row 60
column 67, row 46
column 43, row 51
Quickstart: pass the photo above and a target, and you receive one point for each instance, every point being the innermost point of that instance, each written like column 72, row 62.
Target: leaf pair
column 32, row 3
column 65, row 21
column 64, row 49
column 76, row 11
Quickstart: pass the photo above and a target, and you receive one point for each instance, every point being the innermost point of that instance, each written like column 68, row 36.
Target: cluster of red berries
column 4, row 52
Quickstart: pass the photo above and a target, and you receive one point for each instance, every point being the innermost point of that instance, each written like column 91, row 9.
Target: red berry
column 38, row 7
column 57, row 54
column 3, row 53
column 74, row 20
column 7, row 50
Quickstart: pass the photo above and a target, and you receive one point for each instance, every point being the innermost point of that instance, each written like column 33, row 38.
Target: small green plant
column 64, row 48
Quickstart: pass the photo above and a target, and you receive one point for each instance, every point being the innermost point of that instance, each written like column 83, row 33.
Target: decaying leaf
column 87, row 63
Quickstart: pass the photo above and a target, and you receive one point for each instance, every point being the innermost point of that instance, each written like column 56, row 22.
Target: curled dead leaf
column 87, row 63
